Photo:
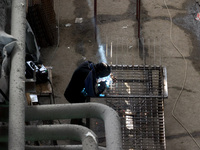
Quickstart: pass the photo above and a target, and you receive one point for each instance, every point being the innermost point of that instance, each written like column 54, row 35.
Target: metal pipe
column 57, row 132
column 85, row 110
column 138, row 7
column 17, row 85
column 59, row 147
column 95, row 18
column 62, row 132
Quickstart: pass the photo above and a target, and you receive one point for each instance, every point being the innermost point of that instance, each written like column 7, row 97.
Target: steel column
column 17, row 84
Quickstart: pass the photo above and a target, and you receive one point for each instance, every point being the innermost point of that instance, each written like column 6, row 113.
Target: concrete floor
column 117, row 26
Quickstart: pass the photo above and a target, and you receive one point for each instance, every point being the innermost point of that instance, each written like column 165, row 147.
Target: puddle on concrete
column 192, row 27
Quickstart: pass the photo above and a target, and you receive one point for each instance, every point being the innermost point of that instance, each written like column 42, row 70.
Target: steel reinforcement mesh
column 142, row 122
column 137, row 81
column 138, row 97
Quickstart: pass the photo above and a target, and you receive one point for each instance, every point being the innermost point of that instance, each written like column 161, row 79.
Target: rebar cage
column 138, row 97
column 138, row 81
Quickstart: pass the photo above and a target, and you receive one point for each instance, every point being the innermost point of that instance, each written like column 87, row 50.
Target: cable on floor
column 184, row 81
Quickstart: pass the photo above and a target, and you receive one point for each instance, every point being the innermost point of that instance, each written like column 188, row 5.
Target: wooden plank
column 28, row 98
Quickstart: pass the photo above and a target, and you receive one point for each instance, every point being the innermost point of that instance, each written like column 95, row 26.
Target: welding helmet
column 102, row 70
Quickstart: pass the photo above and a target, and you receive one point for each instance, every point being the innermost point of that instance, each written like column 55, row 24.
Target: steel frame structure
column 138, row 97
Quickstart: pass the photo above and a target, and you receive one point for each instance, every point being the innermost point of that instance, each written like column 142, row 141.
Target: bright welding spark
column 108, row 80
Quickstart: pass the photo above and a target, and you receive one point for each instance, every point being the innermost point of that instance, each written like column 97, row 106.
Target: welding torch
column 105, row 82
column 114, row 79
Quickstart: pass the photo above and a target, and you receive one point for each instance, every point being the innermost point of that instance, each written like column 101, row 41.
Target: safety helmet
column 102, row 70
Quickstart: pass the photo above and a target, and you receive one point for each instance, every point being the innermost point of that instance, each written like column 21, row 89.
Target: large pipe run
column 17, row 85
column 58, row 147
column 63, row 132
column 57, row 132
column 85, row 110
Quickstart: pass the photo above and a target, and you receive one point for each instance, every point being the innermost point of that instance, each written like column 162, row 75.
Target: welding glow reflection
column 129, row 119
column 127, row 102
column 129, row 88
column 107, row 80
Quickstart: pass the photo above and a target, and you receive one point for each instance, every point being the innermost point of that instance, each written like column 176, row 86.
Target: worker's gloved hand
column 101, row 87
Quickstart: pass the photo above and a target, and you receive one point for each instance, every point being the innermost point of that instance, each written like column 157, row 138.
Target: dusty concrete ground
column 117, row 25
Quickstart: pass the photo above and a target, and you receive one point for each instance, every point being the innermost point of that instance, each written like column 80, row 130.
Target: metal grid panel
column 138, row 98
column 142, row 121
column 137, row 81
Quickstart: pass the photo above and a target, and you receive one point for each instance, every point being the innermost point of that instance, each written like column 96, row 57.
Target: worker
column 83, row 84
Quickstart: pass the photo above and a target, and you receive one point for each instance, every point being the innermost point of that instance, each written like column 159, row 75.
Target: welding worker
column 83, row 84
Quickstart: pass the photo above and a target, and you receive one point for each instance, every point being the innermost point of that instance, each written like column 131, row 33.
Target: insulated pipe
column 57, row 132
column 63, row 132
column 82, row 110
column 58, row 147
column 17, row 86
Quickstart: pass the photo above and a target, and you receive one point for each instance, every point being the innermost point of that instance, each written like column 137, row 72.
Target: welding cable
column 184, row 81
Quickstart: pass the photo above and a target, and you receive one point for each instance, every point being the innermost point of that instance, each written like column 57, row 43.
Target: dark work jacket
column 73, row 91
